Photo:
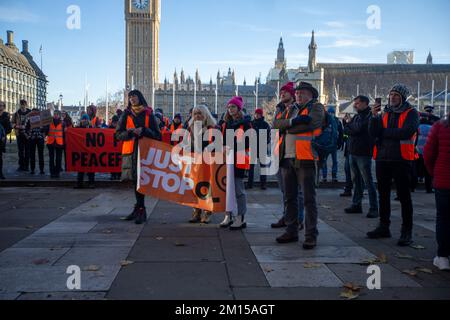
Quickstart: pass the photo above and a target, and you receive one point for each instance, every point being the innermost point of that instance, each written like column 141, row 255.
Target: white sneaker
column 228, row 221
column 442, row 263
column 238, row 224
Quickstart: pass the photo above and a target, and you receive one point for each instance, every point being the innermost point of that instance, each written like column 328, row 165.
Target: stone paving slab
column 87, row 256
column 322, row 254
column 28, row 257
column 390, row 277
column 58, row 296
column 53, row 279
column 172, row 281
column 285, row 275
column 176, row 249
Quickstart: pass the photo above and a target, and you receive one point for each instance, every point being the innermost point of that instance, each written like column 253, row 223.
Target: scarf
column 137, row 109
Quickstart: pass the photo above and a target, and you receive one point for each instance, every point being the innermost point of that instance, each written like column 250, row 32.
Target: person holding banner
column 236, row 120
column 37, row 141
column 96, row 122
column 55, row 143
column 85, row 123
column 176, row 125
column 137, row 122
column 200, row 114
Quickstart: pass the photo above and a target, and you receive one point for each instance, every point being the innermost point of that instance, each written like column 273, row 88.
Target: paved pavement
column 43, row 231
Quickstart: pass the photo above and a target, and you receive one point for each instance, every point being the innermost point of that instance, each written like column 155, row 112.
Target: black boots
column 141, row 216
column 380, row 232
column 280, row 224
column 132, row 216
column 353, row 210
column 405, row 237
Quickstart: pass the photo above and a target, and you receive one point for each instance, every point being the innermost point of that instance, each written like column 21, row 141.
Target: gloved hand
column 301, row 120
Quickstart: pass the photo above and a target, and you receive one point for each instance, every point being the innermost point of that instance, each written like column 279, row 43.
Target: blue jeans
column 443, row 222
column 301, row 206
column 335, row 165
column 361, row 168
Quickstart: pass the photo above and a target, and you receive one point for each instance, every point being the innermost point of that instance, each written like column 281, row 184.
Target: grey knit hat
column 402, row 90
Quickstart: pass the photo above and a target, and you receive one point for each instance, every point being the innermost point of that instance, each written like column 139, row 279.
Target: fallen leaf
column 268, row 270
column 352, row 287
column 349, row 295
column 61, row 208
column 410, row 272
column 326, row 207
column 107, row 231
column 382, row 258
column 125, row 263
column 159, row 238
column 94, row 206
column 417, row 247
column 309, row 265
column 40, row 262
column 29, row 227
column 404, row 256
column 424, row 270
column 92, row 268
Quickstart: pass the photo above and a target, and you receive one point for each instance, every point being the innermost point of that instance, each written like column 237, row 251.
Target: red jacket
column 437, row 155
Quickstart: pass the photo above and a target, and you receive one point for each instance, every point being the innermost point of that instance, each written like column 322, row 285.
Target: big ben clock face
column 140, row 4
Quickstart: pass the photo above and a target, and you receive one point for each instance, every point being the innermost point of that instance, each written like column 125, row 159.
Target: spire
column 312, row 54
column 429, row 58
column 281, row 61
column 182, row 77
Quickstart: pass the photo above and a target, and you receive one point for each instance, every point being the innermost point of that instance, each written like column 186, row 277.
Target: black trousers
column 23, row 147
column 39, row 145
column 251, row 176
column 140, row 198
column 1, row 162
column 422, row 172
column 55, row 155
column 80, row 177
column 400, row 172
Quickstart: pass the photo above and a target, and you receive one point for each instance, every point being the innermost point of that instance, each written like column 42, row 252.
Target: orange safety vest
column 242, row 157
column 166, row 136
column 94, row 122
column 407, row 147
column 128, row 146
column 303, row 145
column 55, row 134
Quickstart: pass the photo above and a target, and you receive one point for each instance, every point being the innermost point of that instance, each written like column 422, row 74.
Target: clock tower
column 142, row 45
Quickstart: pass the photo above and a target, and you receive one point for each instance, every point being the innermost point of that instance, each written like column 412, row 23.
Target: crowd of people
column 405, row 145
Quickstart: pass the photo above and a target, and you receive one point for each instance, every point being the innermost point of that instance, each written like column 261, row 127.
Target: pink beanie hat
column 237, row 101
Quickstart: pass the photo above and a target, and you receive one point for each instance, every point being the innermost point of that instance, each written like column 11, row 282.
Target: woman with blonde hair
column 202, row 115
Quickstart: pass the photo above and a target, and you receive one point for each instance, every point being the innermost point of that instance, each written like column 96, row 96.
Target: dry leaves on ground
column 39, row 262
column 125, row 263
column 309, row 265
column 91, row 268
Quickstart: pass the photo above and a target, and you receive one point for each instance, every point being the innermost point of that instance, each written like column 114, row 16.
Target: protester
column 136, row 122
column 113, row 125
column 236, row 120
column 361, row 151
column 260, row 125
column 37, row 141
column 177, row 123
column 437, row 159
column 5, row 129
column 300, row 123
column 55, row 144
column 85, row 123
column 287, row 96
column 348, row 175
column 395, row 132
column 339, row 141
column 202, row 115
column 422, row 172
column 19, row 121
column 92, row 113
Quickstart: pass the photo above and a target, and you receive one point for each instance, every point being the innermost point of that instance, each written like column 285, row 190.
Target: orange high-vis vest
column 128, row 146
column 242, row 157
column 407, row 147
column 303, row 145
column 94, row 122
column 166, row 136
column 55, row 134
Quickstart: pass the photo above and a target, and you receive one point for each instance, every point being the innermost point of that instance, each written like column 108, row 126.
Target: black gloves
column 301, row 120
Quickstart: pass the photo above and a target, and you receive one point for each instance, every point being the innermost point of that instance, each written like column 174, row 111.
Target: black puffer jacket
column 388, row 139
column 152, row 132
column 359, row 142
column 6, row 124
